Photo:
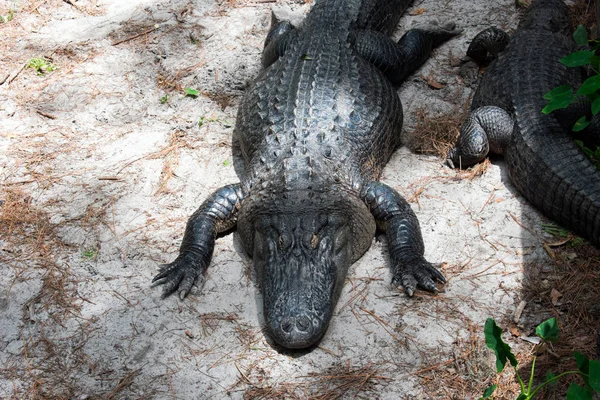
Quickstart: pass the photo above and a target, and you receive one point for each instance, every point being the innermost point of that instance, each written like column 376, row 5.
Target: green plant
column 164, row 99
column 547, row 331
column 563, row 96
column 593, row 155
column 41, row 65
column 89, row 254
column 204, row 120
column 557, row 230
column 7, row 18
column 191, row 92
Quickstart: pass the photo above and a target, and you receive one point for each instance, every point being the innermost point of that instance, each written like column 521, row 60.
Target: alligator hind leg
column 405, row 243
column 488, row 128
column 217, row 214
column 279, row 37
column 398, row 60
column 487, row 44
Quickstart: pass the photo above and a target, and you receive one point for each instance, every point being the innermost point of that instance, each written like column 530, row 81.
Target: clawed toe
column 177, row 276
column 420, row 275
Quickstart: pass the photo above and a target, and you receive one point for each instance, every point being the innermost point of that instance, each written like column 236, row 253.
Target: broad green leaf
column 191, row 92
column 548, row 330
column 522, row 397
column 578, row 58
column 558, row 103
column 488, row 392
column 580, row 35
column 581, row 124
column 577, row 392
column 560, row 91
column 583, row 365
column 595, row 375
column 590, row 85
column 550, row 376
column 595, row 61
column 493, row 340
column 596, row 106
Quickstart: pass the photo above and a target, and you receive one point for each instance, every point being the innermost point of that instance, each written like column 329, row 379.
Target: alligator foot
column 405, row 243
column 488, row 128
column 398, row 60
column 419, row 273
column 438, row 33
column 217, row 214
column 180, row 275
column 487, row 44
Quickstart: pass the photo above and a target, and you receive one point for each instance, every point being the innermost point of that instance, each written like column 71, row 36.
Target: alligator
column 315, row 130
column 544, row 163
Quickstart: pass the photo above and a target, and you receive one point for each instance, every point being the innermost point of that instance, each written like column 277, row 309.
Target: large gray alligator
column 544, row 163
column 315, row 130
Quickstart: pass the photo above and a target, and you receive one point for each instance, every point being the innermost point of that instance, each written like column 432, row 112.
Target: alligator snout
column 297, row 332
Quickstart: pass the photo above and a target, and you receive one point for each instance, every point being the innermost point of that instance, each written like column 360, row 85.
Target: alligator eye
column 314, row 241
column 280, row 241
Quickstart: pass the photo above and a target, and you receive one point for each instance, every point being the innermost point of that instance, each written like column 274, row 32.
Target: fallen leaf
column 549, row 251
column 418, row 11
column 433, row 83
column 514, row 331
column 532, row 339
column 555, row 295
column 559, row 242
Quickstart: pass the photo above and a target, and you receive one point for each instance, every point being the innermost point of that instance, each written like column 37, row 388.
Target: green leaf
column 594, row 381
column 191, row 92
column 548, row 330
column 580, row 35
column 596, row 106
column 559, row 92
column 583, row 365
column 493, row 340
column 581, row 124
column 578, row 58
column 558, row 103
column 590, row 85
column 577, row 392
column 522, row 396
column 549, row 377
column 595, row 62
column 488, row 392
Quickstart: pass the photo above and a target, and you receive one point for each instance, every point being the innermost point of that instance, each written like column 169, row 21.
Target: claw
column 179, row 276
column 418, row 274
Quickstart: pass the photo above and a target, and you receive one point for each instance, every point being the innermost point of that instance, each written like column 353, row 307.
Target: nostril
column 303, row 324
column 286, row 325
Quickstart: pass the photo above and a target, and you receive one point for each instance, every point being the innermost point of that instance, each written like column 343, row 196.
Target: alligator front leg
column 488, row 128
column 398, row 60
column 217, row 214
column 405, row 243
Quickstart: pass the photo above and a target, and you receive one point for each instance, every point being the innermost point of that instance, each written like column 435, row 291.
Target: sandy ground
column 103, row 160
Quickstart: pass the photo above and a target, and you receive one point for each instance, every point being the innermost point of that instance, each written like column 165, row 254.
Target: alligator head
column 302, row 249
column 552, row 15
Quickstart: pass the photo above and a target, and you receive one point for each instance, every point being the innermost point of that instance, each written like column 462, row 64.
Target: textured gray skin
column 544, row 163
column 488, row 44
column 315, row 131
